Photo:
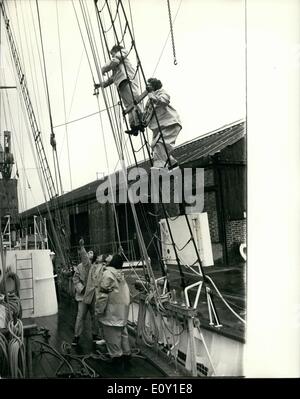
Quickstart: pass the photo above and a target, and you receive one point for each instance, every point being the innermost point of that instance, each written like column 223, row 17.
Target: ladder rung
column 25, row 268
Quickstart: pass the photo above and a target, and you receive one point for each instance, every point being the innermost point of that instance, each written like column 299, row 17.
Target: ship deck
column 61, row 328
column 230, row 281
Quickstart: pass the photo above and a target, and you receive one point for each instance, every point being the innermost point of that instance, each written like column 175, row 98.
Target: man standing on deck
column 95, row 276
column 80, row 277
column 112, row 307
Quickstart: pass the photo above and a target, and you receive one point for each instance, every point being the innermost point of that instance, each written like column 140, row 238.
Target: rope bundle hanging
column 16, row 349
column 12, row 347
column 4, row 361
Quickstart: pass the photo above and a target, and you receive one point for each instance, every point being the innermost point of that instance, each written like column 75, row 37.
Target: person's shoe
column 75, row 341
column 132, row 132
column 100, row 342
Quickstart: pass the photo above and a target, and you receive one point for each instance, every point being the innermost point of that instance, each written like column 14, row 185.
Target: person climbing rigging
column 164, row 121
column 124, row 76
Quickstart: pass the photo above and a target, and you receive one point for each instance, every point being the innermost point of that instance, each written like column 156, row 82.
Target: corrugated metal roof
column 195, row 150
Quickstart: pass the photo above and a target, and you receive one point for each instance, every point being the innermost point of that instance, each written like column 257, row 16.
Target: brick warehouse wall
column 210, row 207
column 209, row 180
column 101, row 224
column 235, row 234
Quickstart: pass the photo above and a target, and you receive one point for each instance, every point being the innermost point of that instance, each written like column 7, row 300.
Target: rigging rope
column 85, row 49
column 19, row 34
column 41, row 122
column 104, row 44
column 63, row 94
column 172, row 33
column 107, row 165
column 113, row 19
column 165, row 44
column 84, row 117
column 16, row 349
column 13, row 348
column 122, row 162
column 15, row 139
column 34, row 89
column 133, row 46
column 58, row 245
column 90, row 35
column 52, row 137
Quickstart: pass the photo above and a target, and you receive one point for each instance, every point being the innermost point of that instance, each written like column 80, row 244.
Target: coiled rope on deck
column 16, row 349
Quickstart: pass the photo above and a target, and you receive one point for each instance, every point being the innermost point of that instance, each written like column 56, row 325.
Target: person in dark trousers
column 112, row 306
column 125, row 78
column 164, row 121
column 55, row 273
column 80, row 277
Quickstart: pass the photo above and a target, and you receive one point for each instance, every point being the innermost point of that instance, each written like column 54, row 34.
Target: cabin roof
column 197, row 150
column 210, row 143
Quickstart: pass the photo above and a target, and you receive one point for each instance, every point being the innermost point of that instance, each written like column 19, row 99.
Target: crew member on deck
column 80, row 278
column 125, row 78
column 164, row 122
column 112, row 306
column 99, row 263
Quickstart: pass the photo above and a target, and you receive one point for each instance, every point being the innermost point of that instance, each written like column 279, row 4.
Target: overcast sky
column 207, row 86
